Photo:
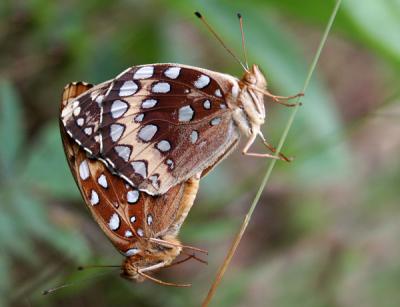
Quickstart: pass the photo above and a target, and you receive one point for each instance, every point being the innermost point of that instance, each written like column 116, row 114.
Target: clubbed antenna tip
column 203, row 20
column 239, row 15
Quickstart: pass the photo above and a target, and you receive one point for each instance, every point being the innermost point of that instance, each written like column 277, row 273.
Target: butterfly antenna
column 51, row 290
column 80, row 268
column 164, row 283
column 243, row 41
column 204, row 21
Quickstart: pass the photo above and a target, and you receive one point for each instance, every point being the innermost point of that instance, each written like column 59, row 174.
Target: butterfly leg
column 246, row 152
column 155, row 267
column 273, row 149
column 164, row 283
column 262, row 155
column 277, row 99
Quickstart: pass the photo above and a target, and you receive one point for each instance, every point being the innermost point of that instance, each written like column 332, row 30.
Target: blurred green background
column 326, row 231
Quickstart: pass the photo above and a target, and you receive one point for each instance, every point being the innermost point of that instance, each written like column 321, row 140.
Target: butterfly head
column 151, row 257
column 251, row 112
column 255, row 78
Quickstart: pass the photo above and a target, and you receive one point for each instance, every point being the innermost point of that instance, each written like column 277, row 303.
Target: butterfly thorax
column 152, row 257
column 249, row 113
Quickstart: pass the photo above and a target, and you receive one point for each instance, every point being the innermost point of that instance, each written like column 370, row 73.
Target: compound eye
column 250, row 78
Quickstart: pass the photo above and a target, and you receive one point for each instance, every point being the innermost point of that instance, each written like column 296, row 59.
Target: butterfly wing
column 81, row 114
column 156, row 125
column 126, row 215
column 160, row 124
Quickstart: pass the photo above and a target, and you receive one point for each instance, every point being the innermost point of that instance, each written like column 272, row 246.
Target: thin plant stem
column 271, row 165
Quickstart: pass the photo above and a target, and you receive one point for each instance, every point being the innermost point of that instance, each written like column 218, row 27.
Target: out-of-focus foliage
column 326, row 230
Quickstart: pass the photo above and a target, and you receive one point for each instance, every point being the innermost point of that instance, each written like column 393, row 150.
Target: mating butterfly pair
column 138, row 145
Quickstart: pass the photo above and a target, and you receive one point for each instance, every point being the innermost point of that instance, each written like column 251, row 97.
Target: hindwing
column 127, row 216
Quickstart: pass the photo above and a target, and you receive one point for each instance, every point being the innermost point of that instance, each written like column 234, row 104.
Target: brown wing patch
column 174, row 124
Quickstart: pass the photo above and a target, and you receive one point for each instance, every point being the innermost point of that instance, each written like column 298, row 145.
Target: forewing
column 81, row 114
column 164, row 123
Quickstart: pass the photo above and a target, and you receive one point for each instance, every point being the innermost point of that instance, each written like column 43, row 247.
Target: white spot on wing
column 133, row 219
column 154, row 181
column 202, row 81
column 128, row 234
column 215, row 121
column 140, row 232
column 84, row 170
column 144, row 72
column 116, row 131
column 172, row 72
column 114, row 222
column 185, row 114
column 139, row 118
column 149, row 219
column 139, row 167
column 128, row 88
column 80, row 121
column 132, row 196
column 77, row 110
column 94, row 198
column 194, row 136
column 147, row 132
column 88, row 130
column 163, row 145
column 161, row 87
column 123, row 151
column 170, row 163
column 218, row 93
column 99, row 99
column 118, row 108
column 131, row 252
column 102, row 180
column 149, row 103
column 207, row 104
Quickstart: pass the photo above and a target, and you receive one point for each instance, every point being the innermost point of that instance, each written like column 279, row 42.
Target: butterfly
column 142, row 227
column 158, row 125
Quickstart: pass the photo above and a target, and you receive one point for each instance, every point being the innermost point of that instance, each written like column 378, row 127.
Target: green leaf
column 377, row 22
column 33, row 219
column 14, row 240
column 11, row 132
column 373, row 23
